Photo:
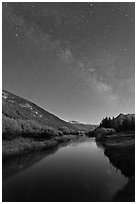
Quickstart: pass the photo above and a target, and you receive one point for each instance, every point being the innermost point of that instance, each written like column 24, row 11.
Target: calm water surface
column 77, row 172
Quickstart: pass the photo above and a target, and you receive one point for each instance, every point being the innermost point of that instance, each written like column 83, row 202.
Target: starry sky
column 74, row 59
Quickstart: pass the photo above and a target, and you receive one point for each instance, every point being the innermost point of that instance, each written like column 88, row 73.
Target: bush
column 65, row 130
column 91, row 134
column 13, row 127
column 101, row 133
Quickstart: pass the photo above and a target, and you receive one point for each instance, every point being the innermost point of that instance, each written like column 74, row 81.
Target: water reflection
column 76, row 172
column 15, row 164
column 122, row 158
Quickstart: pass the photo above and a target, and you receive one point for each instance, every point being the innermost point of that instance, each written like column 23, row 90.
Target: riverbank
column 80, row 164
column 21, row 145
column 120, row 149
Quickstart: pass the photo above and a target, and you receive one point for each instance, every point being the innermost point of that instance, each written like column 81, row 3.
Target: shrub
column 17, row 127
column 65, row 130
column 101, row 133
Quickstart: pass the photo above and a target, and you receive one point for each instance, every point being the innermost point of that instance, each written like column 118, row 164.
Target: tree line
column 126, row 124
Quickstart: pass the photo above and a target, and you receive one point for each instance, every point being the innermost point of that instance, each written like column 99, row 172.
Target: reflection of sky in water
column 79, row 171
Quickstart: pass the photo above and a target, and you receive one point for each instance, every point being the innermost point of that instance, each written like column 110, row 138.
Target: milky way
column 75, row 60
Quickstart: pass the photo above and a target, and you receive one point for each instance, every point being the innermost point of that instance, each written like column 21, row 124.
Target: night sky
column 76, row 60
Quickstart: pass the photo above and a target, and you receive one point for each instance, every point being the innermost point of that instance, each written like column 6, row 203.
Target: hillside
column 119, row 119
column 23, row 116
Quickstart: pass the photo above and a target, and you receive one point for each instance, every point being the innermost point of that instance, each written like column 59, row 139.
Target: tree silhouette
column 126, row 125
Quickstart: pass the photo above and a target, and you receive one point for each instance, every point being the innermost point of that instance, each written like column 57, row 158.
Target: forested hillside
column 22, row 117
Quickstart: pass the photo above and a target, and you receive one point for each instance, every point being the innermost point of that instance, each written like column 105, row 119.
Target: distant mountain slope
column 119, row 119
column 83, row 127
column 20, row 113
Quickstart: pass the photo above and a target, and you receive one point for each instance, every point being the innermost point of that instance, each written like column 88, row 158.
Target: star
column 51, row 30
column 91, row 12
column 109, row 26
column 101, row 78
column 125, row 49
column 63, row 15
column 76, row 37
column 16, row 34
column 6, row 5
column 126, row 15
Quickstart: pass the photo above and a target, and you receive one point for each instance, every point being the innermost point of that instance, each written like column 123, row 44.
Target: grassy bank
column 21, row 145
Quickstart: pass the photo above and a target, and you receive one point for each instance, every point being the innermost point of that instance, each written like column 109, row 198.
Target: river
column 78, row 171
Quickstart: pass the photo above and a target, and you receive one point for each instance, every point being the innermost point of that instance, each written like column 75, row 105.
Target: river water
column 78, row 171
